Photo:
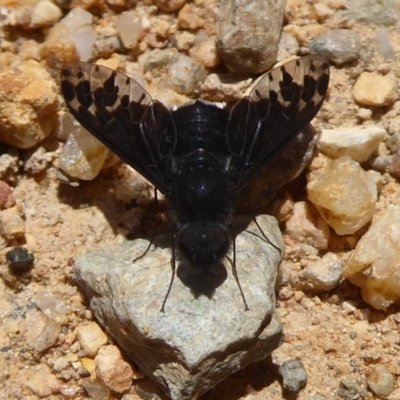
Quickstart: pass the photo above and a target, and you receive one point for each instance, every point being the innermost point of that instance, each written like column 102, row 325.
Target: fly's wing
column 121, row 114
column 281, row 104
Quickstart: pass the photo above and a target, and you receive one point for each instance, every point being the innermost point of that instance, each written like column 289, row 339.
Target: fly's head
column 203, row 244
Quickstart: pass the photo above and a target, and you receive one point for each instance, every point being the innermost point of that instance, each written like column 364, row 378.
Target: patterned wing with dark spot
column 280, row 105
column 121, row 114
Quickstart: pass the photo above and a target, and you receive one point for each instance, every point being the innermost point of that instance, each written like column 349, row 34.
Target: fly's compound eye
column 203, row 244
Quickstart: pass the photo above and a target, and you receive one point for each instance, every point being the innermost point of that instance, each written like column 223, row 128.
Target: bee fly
column 200, row 155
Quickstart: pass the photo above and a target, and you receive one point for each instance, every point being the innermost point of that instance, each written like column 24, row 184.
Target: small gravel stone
column 96, row 389
column 338, row 46
column 344, row 194
column 52, row 304
column 288, row 46
column 381, row 381
column 29, row 104
column 350, row 389
column 49, row 335
column 320, row 276
column 82, row 155
column 39, row 160
column 91, row 338
column 373, row 89
column 294, row 375
column 394, row 165
column 6, row 198
column 358, row 142
column 19, row 259
column 45, row 13
column 224, row 87
column 364, row 114
column 156, row 62
column 106, row 47
column 189, row 18
column 206, row 54
column 170, row 5
column 71, row 38
column 129, row 28
column 373, row 265
column 249, row 32
column 42, row 382
column 185, row 75
column 382, row 163
column 307, row 226
column 88, row 364
column 12, row 226
column 112, row 370
column 67, row 124
column 384, row 45
column 184, row 40
column 9, row 165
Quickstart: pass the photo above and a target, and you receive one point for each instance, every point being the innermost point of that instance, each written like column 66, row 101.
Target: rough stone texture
column 70, row 39
column 307, row 226
column 249, row 32
column 91, row 338
column 338, row 46
column 357, row 142
column 45, row 13
column 294, row 375
column 12, row 226
column 288, row 46
column 28, row 105
column 321, row 276
column 379, row 13
column 224, row 87
column 344, row 194
column 185, row 75
column 112, row 370
column 82, row 155
column 169, row 5
column 385, row 47
column 6, row 199
column 373, row 89
column 129, row 29
column 381, row 381
column 206, row 54
column 374, row 264
column 41, row 382
column 205, row 334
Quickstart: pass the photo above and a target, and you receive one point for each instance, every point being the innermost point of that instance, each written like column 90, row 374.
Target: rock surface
column 204, row 334
column 358, row 142
column 249, row 32
column 344, row 194
column 338, row 46
column 28, row 112
column 373, row 89
column 374, row 264
column 82, row 155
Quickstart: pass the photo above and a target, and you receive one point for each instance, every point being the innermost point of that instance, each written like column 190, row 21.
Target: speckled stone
column 249, row 32
column 204, row 335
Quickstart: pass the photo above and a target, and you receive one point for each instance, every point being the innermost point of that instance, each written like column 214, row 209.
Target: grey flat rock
column 205, row 334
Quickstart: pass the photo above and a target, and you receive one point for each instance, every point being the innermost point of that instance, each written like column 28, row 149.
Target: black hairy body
column 200, row 155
